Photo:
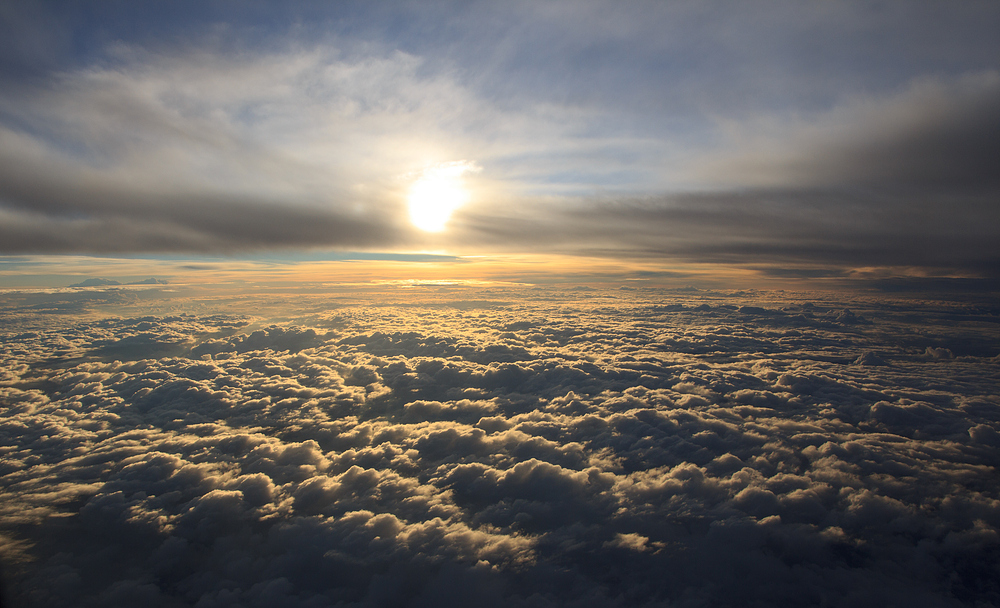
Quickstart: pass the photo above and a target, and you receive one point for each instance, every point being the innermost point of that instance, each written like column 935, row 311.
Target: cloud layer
column 549, row 448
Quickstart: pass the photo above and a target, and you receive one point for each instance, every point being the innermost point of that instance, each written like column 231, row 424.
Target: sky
column 846, row 141
column 521, row 304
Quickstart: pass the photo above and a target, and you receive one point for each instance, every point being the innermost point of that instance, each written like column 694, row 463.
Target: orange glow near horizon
column 58, row 272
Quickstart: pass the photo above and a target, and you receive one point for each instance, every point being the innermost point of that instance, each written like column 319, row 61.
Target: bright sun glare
column 437, row 193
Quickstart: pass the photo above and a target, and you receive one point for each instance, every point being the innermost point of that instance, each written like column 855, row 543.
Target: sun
column 437, row 193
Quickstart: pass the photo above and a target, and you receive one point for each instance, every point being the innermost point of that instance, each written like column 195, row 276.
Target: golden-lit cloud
column 471, row 439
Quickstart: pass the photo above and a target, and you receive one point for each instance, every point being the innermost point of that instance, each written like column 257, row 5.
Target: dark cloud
column 818, row 232
column 701, row 448
column 937, row 135
column 125, row 222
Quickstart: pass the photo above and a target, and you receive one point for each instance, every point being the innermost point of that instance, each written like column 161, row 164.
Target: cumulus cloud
column 708, row 448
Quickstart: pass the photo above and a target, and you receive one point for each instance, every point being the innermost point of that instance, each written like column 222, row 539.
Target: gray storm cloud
column 545, row 448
